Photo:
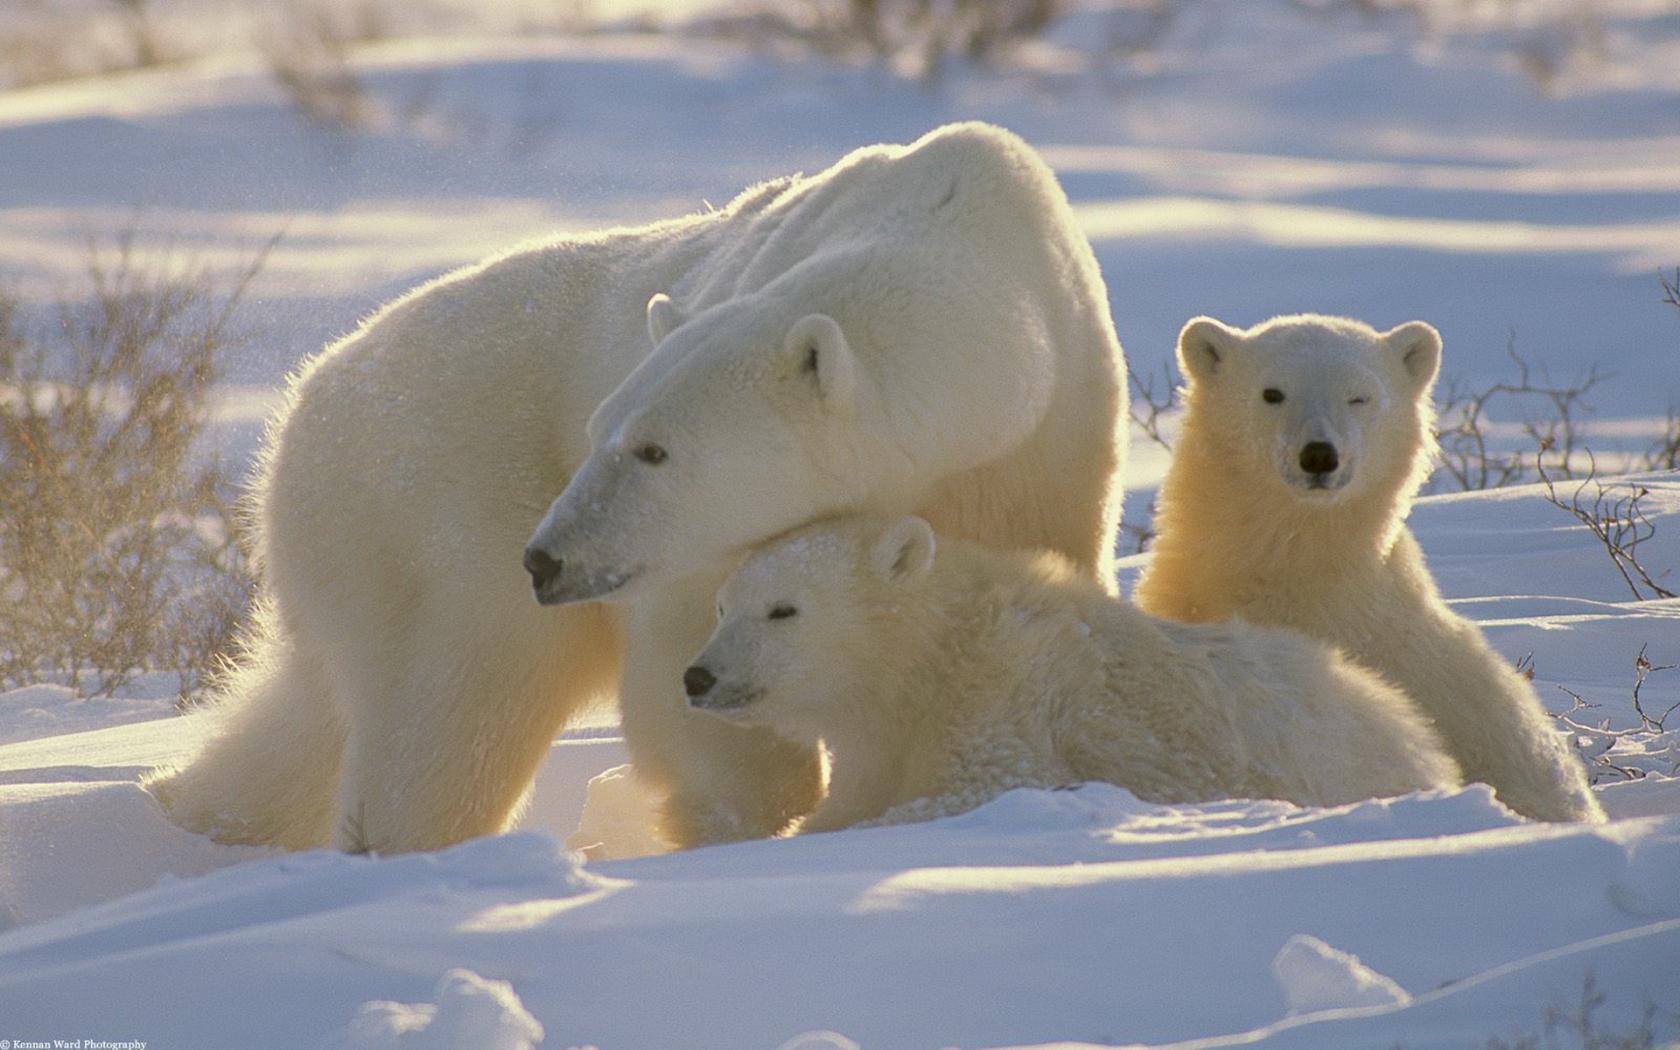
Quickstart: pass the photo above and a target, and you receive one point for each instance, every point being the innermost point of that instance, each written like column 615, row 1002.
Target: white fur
column 919, row 326
column 1242, row 533
column 954, row 676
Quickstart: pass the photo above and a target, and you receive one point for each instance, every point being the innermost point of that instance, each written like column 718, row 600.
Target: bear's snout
column 697, row 681
column 543, row 567
column 1319, row 457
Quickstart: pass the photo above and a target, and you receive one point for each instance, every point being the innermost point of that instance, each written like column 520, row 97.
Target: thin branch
column 1619, row 523
column 1643, row 669
column 1461, row 430
column 1147, row 407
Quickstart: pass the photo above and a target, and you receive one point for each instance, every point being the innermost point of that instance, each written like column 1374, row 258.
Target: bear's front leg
column 443, row 743
column 722, row 782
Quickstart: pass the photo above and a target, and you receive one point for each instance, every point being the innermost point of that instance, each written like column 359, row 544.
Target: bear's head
column 1320, row 409
column 837, row 387
column 746, row 421
column 804, row 622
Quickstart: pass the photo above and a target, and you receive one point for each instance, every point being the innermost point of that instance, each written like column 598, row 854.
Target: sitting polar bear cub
column 1305, row 439
column 954, row 679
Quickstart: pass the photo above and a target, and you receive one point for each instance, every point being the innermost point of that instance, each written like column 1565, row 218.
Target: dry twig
column 1146, row 407
column 1619, row 523
column 1461, row 428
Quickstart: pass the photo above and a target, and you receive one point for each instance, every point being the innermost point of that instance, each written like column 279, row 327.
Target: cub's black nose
column 542, row 567
column 1319, row 457
column 697, row 681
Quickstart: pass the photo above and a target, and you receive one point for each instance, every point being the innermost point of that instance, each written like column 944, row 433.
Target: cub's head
column 746, row 420
column 1324, row 408
column 806, row 621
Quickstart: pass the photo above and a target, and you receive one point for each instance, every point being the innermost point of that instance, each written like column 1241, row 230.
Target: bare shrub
column 1551, row 413
column 1149, row 409
column 1611, row 753
column 117, row 550
column 1469, row 460
column 1617, row 521
column 918, row 37
column 924, row 34
column 309, row 56
column 58, row 41
column 1643, row 669
column 1548, row 43
column 1136, row 538
column 1578, row 1028
column 1664, row 453
column 143, row 37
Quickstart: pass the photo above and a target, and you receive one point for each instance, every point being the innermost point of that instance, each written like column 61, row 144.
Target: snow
column 470, row 1011
column 1077, row 915
column 1259, row 160
column 1315, row 977
column 55, row 710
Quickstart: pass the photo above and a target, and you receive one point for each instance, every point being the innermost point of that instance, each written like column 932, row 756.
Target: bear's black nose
column 1318, row 457
column 542, row 566
column 697, row 681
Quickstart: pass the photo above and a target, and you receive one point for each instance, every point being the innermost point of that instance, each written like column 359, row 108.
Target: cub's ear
column 662, row 317
column 820, row 355
column 1418, row 347
column 903, row 551
column 1204, row 345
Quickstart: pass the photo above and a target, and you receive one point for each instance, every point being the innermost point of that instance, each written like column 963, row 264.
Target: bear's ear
column 903, row 551
column 1204, row 345
column 1418, row 347
column 820, row 355
column 662, row 317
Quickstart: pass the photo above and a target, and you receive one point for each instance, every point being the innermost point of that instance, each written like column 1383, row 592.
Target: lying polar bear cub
column 953, row 679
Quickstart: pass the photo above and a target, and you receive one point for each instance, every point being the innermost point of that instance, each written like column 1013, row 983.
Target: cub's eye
column 1272, row 395
column 651, row 454
column 1358, row 400
column 782, row 612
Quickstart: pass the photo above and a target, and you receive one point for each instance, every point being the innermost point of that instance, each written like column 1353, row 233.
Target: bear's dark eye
column 782, row 611
column 1358, row 400
column 651, row 454
column 1272, row 395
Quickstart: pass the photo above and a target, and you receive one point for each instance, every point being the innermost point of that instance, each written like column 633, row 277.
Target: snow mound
column 1315, row 976
column 819, row 1041
column 470, row 1011
column 37, row 711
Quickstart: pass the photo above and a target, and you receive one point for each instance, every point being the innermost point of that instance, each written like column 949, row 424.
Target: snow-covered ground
column 1262, row 158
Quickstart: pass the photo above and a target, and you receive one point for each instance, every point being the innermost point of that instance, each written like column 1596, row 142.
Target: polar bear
column 1305, row 439
column 937, row 682
column 919, row 326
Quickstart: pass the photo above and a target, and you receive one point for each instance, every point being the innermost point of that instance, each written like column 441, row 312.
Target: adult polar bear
column 917, row 328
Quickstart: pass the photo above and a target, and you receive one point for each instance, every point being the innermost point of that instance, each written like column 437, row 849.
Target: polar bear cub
column 954, row 678
column 1305, row 439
